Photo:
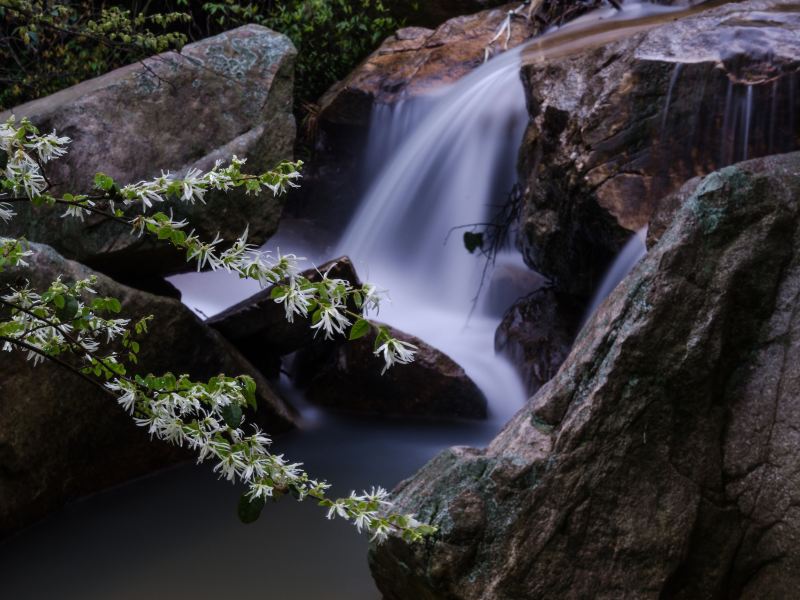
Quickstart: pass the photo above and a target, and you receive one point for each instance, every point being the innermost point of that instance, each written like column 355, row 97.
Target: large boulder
column 225, row 95
column 620, row 123
column 62, row 438
column 661, row 461
column 349, row 379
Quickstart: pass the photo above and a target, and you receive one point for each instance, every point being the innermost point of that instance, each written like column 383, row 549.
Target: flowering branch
column 205, row 417
column 326, row 301
column 69, row 320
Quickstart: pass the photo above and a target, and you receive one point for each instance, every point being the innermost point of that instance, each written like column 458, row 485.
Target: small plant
column 46, row 46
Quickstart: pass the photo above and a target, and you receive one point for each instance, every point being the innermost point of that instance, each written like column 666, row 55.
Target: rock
column 536, row 334
column 620, row 124
column 661, row 461
column 433, row 386
column 62, row 438
column 258, row 327
column 225, row 95
column 416, row 61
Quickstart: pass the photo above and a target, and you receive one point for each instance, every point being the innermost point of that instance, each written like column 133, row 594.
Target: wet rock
column 433, row 386
column 617, row 125
column 258, row 327
column 62, row 438
column 225, row 95
column 536, row 334
column 661, row 460
column 416, row 61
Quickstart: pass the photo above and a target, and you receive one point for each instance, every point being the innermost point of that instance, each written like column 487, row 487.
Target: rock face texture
column 415, row 61
column 536, row 334
column 661, row 461
column 61, row 438
column 230, row 94
column 433, row 386
column 618, row 125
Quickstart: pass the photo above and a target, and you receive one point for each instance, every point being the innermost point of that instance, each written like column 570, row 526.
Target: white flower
column 143, row 192
column 193, row 187
column 114, row 328
column 7, row 133
column 337, row 508
column 260, row 489
column 127, row 401
column 396, row 351
column 6, row 213
column 363, row 520
column 372, row 297
column 331, row 320
column 24, row 173
column 48, row 146
column 380, row 533
column 378, row 495
column 232, row 258
column 286, row 266
column 203, row 252
column 295, row 299
column 219, row 180
column 77, row 211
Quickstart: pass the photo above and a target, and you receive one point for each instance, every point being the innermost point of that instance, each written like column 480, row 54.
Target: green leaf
column 359, row 329
column 69, row 310
column 249, row 511
column 383, row 336
column 249, row 385
column 232, row 415
column 473, row 241
column 103, row 182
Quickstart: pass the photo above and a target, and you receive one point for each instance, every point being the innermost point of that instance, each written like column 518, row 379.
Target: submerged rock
column 661, row 461
column 617, row 125
column 225, row 95
column 432, row 386
column 62, row 438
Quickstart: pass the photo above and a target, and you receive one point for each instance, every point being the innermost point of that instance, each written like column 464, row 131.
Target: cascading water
column 456, row 162
column 628, row 257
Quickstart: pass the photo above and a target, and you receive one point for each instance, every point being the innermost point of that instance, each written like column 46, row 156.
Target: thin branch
column 57, row 361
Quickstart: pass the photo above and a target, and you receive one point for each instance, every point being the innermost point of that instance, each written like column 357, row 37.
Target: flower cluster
column 71, row 324
column 58, row 321
column 326, row 301
column 193, row 186
column 205, row 417
column 25, row 152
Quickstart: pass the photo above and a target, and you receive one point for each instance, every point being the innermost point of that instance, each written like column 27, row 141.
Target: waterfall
column 628, row 257
column 448, row 161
